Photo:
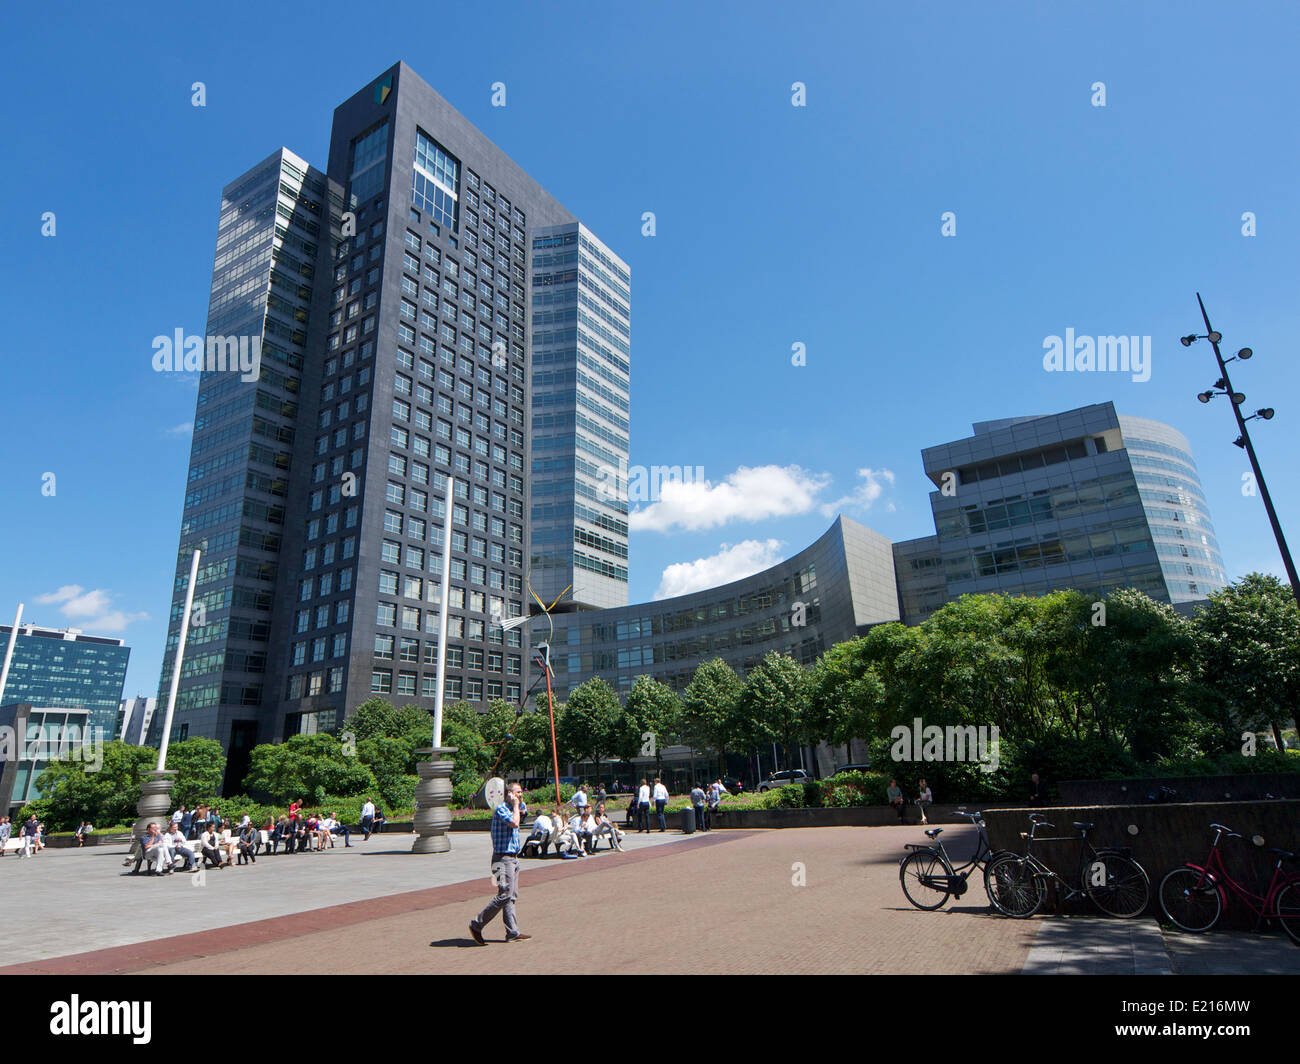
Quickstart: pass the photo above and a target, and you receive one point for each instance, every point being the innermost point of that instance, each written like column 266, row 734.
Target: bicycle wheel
column 1117, row 885
column 1013, row 886
column 1190, row 900
column 1287, row 902
column 920, row 863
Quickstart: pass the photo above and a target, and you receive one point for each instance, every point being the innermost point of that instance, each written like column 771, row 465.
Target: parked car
column 852, row 768
column 784, row 778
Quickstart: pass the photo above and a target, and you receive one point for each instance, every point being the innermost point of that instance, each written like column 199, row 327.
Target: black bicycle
column 1109, row 878
column 927, row 873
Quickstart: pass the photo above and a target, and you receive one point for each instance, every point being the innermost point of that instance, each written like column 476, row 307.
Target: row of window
column 456, row 688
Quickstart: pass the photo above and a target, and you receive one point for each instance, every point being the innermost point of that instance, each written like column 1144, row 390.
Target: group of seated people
column 577, row 836
column 209, row 844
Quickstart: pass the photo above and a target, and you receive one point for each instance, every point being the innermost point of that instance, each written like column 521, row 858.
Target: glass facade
column 68, row 670
column 273, row 228
column 581, row 351
column 1085, row 499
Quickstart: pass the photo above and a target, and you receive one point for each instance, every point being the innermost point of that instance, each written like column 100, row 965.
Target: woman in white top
column 541, row 834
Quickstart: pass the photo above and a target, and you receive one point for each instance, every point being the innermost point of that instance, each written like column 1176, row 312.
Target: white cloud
column 748, row 494
column 866, row 493
column 183, row 429
column 89, row 610
column 730, row 563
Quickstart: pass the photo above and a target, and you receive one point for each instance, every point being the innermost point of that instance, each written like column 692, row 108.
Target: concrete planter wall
column 1163, row 837
column 1188, row 788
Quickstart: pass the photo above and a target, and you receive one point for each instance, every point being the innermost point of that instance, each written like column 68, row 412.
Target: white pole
column 176, row 666
column 9, row 653
column 442, row 612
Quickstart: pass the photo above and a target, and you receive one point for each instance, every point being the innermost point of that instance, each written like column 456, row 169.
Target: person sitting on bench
column 156, row 847
column 210, row 843
column 179, row 849
column 606, row 827
column 536, row 844
column 584, row 826
column 335, row 828
column 247, row 844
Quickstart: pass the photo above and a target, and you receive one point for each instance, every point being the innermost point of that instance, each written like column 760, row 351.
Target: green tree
column 307, row 767
column 846, row 695
column 774, row 702
column 592, row 719
column 1249, row 636
column 200, row 766
column 654, row 710
column 711, row 709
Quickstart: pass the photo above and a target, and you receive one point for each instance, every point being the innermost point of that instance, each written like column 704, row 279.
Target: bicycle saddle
column 934, row 832
column 1082, row 827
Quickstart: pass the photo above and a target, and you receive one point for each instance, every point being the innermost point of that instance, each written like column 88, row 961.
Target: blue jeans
column 700, row 824
column 643, row 816
column 659, row 812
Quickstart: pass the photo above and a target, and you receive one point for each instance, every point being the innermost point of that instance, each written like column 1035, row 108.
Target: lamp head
column 1267, row 413
column 1245, row 353
column 1205, row 397
column 1214, row 337
column 1186, row 341
column 1238, row 398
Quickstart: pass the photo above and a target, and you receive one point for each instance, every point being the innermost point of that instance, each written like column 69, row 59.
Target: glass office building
column 276, row 228
column 62, row 692
column 64, row 667
column 581, row 352
column 1086, row 499
column 322, row 494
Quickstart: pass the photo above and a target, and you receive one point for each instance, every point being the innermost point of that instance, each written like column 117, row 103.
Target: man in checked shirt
column 505, row 867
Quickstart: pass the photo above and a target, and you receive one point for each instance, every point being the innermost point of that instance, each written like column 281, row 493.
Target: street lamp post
column 1224, row 387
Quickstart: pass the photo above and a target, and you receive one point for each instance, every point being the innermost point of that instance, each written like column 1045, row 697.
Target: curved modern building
column 825, row 594
column 1085, row 499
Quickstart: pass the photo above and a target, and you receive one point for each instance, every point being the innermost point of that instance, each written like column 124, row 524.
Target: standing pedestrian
column 661, row 802
column 697, row 803
column 643, row 808
column 505, row 867
column 367, row 818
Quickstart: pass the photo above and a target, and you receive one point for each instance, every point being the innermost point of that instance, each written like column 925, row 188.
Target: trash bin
column 688, row 820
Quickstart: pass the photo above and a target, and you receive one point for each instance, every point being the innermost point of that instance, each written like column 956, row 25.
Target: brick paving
column 727, row 903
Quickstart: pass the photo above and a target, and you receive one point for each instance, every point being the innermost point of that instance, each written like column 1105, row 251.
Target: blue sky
column 775, row 225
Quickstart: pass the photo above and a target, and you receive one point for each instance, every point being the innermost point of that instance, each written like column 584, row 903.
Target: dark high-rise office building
column 415, row 322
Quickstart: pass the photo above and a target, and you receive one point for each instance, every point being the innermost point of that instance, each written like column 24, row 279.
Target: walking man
column 505, row 867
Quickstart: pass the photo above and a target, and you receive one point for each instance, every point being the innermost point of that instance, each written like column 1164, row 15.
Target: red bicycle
column 1193, row 897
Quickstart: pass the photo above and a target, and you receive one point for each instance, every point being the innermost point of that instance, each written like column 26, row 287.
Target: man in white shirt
column 584, row 827
column 661, row 801
column 177, row 840
column 368, row 818
column 540, row 838
column 643, row 808
column 335, row 828
column 579, row 799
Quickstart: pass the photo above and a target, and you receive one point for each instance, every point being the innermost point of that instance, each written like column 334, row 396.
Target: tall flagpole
column 155, row 789
column 176, row 665
column 442, row 614
column 433, row 792
column 9, row 653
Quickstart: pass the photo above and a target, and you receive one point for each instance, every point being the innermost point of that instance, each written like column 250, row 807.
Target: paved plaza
column 810, row 900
